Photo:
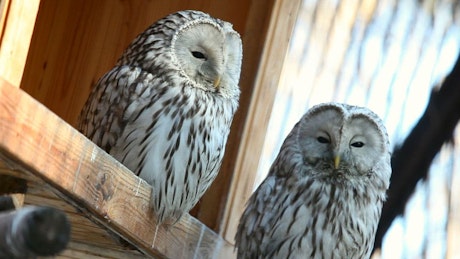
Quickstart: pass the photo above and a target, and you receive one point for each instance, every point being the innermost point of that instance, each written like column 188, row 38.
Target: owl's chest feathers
column 330, row 215
column 176, row 144
column 342, row 199
column 185, row 134
column 192, row 112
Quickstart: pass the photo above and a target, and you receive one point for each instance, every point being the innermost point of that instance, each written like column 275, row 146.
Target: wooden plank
column 50, row 149
column 16, row 32
column 4, row 9
column 83, row 250
column 282, row 23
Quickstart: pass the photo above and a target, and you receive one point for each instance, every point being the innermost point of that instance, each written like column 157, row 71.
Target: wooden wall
column 76, row 42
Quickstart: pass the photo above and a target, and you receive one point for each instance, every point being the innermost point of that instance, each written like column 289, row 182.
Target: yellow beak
column 217, row 82
column 336, row 162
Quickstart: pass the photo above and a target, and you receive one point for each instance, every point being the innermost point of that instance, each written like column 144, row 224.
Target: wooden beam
column 283, row 17
column 38, row 144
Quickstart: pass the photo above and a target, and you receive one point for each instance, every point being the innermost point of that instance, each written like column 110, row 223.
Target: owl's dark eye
column 322, row 140
column 199, row 55
column 357, row 144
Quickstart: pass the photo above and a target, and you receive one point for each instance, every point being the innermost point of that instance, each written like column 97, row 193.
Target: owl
column 324, row 192
column 165, row 109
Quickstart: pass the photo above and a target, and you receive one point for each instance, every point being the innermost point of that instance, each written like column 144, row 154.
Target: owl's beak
column 336, row 161
column 217, row 82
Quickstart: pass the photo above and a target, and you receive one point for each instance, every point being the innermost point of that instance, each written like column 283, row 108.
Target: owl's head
column 340, row 142
column 209, row 54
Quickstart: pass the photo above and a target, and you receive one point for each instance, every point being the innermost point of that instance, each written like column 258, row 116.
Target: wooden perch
column 411, row 161
column 33, row 231
column 66, row 170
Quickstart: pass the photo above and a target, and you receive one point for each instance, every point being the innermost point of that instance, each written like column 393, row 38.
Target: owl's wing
column 259, row 218
column 117, row 98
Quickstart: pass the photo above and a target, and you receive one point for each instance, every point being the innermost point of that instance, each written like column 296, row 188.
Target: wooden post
column 17, row 21
column 282, row 22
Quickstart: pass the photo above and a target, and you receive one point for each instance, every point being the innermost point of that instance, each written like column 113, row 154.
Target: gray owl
column 323, row 195
column 165, row 109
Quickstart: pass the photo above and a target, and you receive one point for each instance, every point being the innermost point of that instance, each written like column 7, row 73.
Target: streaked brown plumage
column 324, row 193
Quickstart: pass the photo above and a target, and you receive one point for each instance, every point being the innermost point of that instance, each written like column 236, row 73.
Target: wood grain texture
column 4, row 10
column 38, row 144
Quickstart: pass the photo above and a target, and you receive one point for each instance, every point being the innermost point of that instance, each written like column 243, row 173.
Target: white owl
column 165, row 109
column 324, row 193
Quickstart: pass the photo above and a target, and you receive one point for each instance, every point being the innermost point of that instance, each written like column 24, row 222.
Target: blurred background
column 387, row 55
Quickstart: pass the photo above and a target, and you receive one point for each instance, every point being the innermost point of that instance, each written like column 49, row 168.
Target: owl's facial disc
column 199, row 51
column 334, row 144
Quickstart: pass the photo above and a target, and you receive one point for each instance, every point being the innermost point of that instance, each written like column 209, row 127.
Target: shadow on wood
column 6, row 203
column 10, row 184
